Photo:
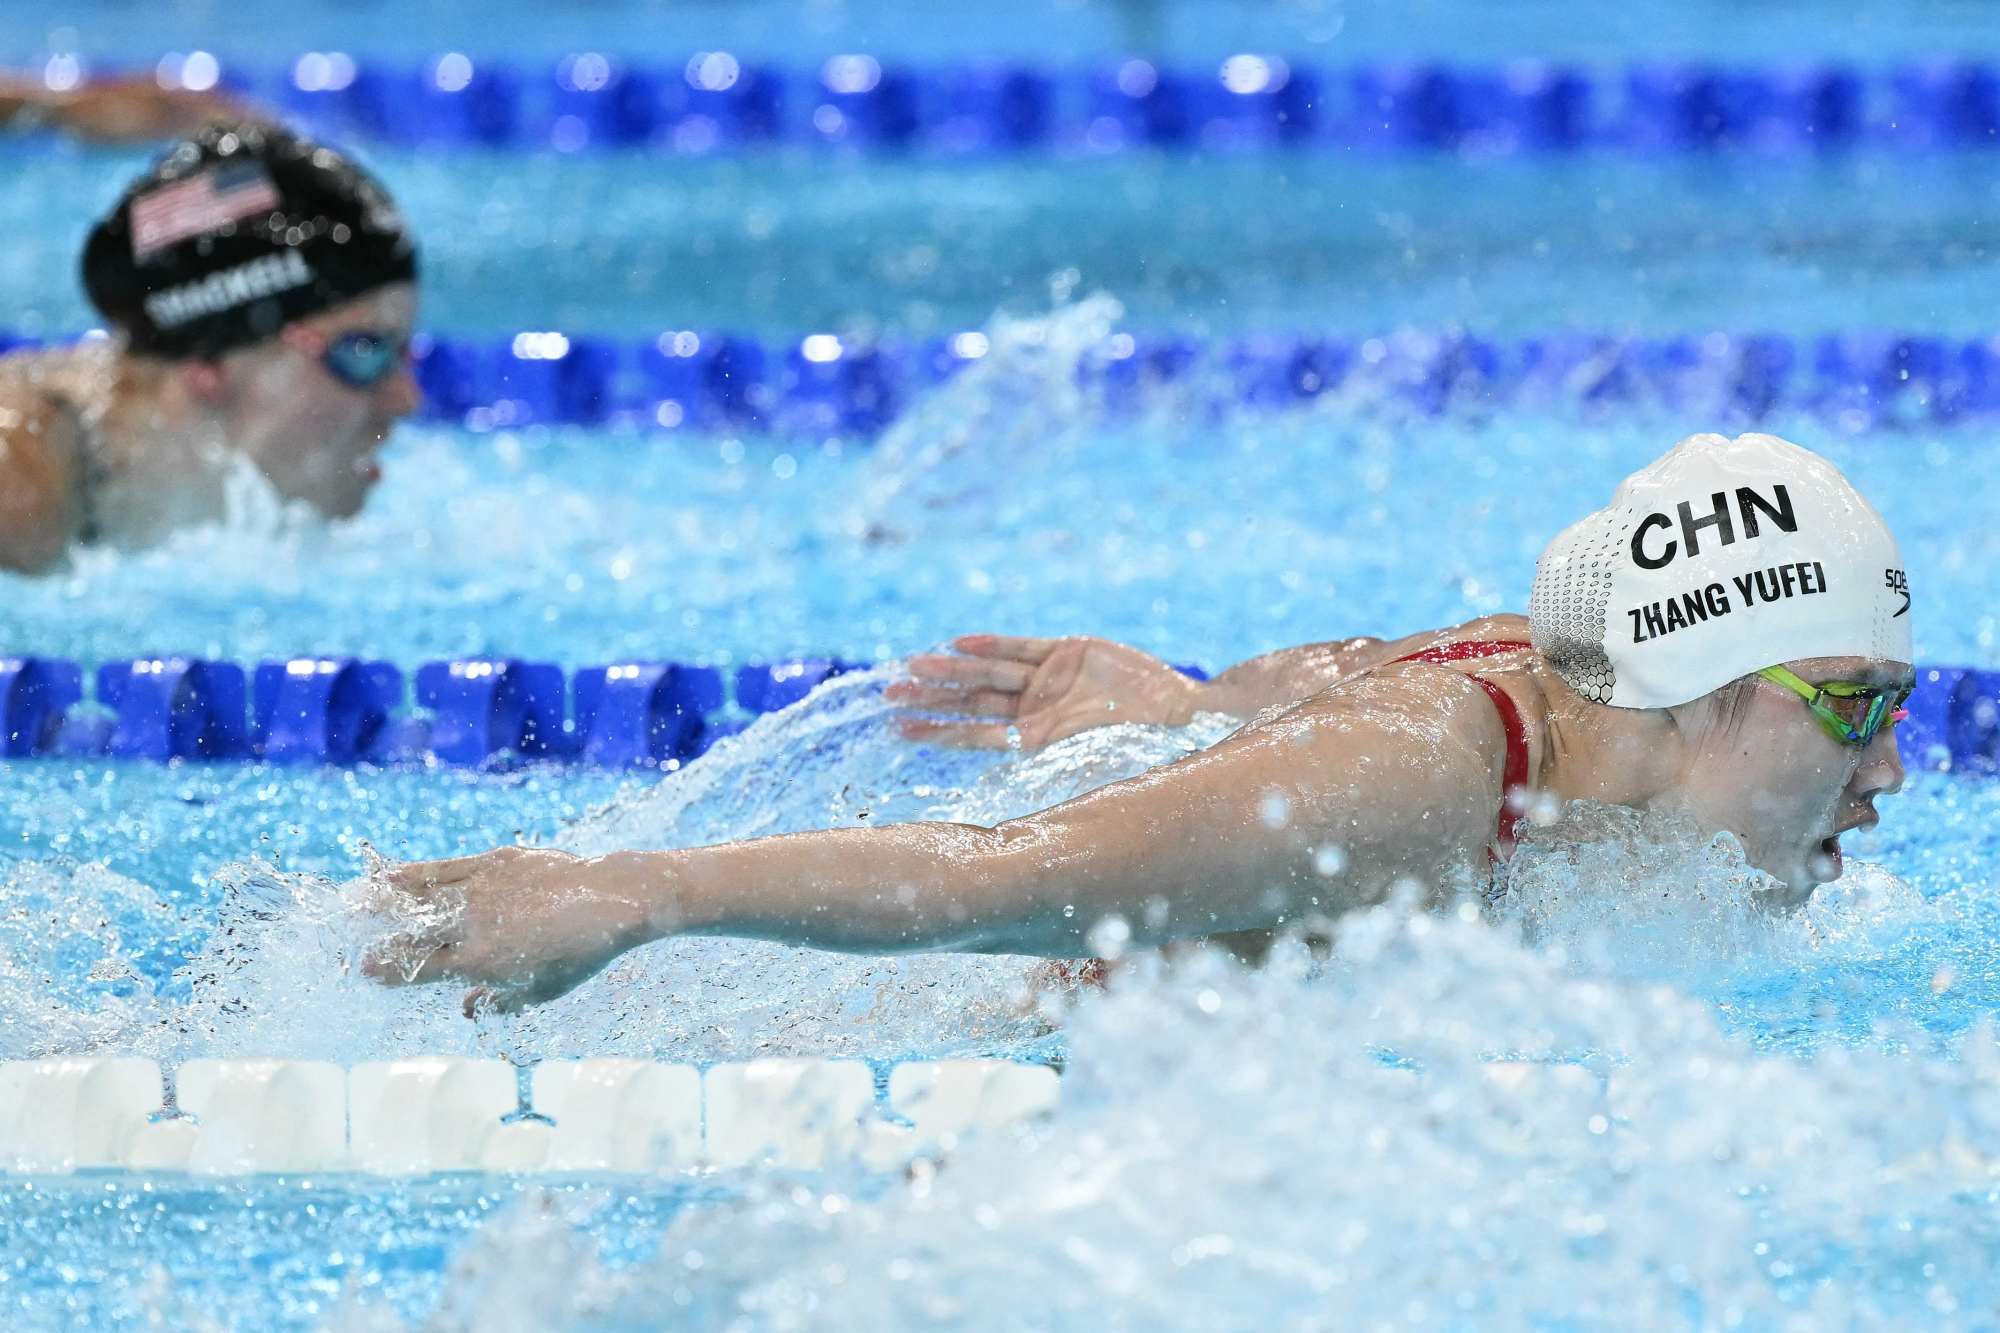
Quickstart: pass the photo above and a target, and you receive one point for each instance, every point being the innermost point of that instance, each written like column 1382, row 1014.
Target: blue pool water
column 1051, row 30
column 1787, row 1123
column 787, row 241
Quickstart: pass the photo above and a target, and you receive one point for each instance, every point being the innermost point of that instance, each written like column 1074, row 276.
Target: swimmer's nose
column 1881, row 769
column 400, row 395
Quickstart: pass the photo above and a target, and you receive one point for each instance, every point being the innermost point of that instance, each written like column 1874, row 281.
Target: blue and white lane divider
column 824, row 385
column 434, row 1114
column 341, row 710
column 715, row 101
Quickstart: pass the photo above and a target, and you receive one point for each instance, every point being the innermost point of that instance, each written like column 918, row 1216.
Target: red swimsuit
column 1514, row 776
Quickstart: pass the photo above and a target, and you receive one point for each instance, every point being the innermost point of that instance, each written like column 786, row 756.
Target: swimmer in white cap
column 1728, row 639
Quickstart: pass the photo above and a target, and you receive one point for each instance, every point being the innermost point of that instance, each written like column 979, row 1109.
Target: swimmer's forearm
column 1287, row 676
column 1306, row 814
column 897, row 888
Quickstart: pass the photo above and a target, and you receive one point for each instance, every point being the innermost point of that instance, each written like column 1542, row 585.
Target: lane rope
column 715, row 101
column 502, row 711
column 445, row 1113
column 826, row 385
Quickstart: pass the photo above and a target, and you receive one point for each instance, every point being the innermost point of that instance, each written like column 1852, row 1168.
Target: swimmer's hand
column 525, row 925
column 1029, row 693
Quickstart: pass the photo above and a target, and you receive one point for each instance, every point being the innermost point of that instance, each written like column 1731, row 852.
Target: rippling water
column 1726, row 1119
column 1621, row 1098
column 1009, row 499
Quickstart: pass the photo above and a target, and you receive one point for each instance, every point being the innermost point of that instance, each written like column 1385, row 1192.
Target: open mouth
column 1826, row 860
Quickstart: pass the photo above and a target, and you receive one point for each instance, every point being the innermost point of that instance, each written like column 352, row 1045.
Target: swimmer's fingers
column 971, row 673
column 409, row 960
column 418, row 879
column 959, row 735
column 487, row 1000
column 1012, row 648
column 505, row 999
column 521, row 991
column 940, row 699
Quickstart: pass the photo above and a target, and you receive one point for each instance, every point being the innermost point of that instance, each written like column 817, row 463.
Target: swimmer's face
column 313, row 436
column 1772, row 776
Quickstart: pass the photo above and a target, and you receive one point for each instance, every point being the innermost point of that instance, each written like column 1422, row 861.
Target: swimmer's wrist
column 648, row 881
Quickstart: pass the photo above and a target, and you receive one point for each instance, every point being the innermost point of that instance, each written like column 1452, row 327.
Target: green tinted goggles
column 1851, row 713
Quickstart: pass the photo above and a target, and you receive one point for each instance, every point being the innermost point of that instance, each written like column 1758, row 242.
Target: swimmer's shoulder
column 1505, row 627
column 40, row 439
column 1412, row 698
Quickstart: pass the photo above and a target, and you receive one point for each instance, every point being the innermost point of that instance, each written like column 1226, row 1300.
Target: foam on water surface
column 1439, row 1127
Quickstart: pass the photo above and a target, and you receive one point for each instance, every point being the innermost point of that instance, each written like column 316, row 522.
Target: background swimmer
column 119, row 110
column 261, row 289
column 1773, row 722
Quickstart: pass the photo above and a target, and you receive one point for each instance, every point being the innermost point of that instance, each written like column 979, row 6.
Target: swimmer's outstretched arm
column 135, row 110
column 1000, row 690
column 1400, row 772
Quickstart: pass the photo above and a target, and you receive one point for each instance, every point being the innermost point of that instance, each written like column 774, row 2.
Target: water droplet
column 1109, row 937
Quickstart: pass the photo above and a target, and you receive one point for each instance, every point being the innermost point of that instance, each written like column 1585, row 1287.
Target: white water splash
column 1003, row 414
column 69, row 978
column 1232, row 1153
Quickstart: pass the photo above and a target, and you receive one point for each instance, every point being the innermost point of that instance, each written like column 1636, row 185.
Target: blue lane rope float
column 824, row 385
column 716, row 102
column 341, row 710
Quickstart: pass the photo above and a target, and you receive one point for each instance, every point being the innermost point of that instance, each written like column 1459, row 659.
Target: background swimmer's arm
column 134, row 110
column 1314, row 812
column 37, row 489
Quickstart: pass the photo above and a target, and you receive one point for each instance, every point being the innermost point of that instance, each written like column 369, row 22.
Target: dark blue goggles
column 362, row 360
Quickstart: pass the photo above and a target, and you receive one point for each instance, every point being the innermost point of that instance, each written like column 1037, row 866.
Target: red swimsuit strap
column 1514, row 775
column 1465, row 650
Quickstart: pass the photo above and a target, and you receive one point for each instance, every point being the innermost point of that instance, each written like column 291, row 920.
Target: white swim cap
column 1720, row 559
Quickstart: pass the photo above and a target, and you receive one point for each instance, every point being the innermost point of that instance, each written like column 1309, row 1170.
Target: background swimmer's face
column 314, row 437
column 1761, row 766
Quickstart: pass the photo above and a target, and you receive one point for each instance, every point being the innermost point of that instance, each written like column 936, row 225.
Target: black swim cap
column 234, row 234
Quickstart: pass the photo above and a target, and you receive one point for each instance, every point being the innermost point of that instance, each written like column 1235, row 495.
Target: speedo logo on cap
column 229, row 288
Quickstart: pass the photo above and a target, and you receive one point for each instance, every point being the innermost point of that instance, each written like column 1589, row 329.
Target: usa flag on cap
column 207, row 201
